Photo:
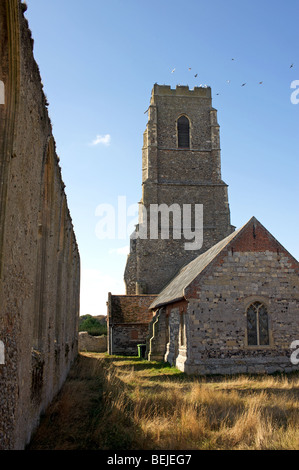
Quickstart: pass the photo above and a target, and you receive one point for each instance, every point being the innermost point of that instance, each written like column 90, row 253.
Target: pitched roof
column 174, row 291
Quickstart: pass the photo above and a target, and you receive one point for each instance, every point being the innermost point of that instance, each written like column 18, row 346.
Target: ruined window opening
column 183, row 129
column 257, row 325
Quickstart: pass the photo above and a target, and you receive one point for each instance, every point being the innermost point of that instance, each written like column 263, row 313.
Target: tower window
column 183, row 132
column 257, row 325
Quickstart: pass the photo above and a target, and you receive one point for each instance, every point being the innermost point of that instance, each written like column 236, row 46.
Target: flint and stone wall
column 39, row 265
column 89, row 343
column 215, row 324
column 172, row 175
column 128, row 319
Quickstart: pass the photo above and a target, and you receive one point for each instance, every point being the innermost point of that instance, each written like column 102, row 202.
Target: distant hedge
column 92, row 325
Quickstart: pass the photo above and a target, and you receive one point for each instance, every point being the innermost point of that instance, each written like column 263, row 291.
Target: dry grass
column 125, row 404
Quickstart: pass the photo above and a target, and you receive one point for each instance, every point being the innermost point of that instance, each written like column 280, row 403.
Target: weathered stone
column 39, row 258
column 178, row 175
column 128, row 318
column 217, row 332
column 91, row 343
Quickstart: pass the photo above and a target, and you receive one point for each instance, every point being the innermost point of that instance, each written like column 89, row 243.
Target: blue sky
column 99, row 61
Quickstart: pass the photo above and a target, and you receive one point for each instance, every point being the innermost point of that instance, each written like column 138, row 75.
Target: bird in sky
column 195, row 75
column 260, row 83
column 172, row 70
column 291, row 66
column 243, row 84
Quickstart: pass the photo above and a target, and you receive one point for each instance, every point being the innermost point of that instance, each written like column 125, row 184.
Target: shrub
column 92, row 325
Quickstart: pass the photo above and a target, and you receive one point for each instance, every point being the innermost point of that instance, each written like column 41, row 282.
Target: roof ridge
column 207, row 257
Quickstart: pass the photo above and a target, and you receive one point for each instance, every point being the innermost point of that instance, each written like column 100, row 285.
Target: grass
column 117, row 403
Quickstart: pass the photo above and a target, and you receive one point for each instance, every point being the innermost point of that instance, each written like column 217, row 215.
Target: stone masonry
column 172, row 174
column 89, row 343
column 128, row 317
column 207, row 331
column 39, row 264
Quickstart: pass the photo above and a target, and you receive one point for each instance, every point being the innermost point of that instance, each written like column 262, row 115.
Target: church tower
column 181, row 168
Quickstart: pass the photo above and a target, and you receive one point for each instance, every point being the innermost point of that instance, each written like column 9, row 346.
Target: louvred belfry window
column 183, row 132
column 257, row 325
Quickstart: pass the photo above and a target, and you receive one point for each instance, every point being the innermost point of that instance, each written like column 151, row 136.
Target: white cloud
column 102, row 139
column 124, row 250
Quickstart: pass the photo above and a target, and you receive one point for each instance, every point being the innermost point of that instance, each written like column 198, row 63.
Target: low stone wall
column 92, row 343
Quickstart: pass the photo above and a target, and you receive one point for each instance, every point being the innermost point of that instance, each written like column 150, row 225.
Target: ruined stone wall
column 91, row 343
column 127, row 321
column 255, row 268
column 40, row 265
column 172, row 175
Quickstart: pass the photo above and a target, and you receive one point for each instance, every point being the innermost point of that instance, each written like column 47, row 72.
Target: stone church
column 228, row 304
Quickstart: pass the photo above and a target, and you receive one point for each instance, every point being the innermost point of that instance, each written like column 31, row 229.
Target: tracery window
column 257, row 325
column 183, row 132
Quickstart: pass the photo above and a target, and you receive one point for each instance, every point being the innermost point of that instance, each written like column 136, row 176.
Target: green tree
column 92, row 325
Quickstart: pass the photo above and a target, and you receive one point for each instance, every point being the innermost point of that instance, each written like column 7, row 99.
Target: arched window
column 183, row 132
column 257, row 325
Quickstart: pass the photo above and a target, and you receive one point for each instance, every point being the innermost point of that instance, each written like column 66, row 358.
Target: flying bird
column 291, row 66
column 260, row 83
column 243, row 84
column 195, row 75
column 172, row 70
column 227, row 81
